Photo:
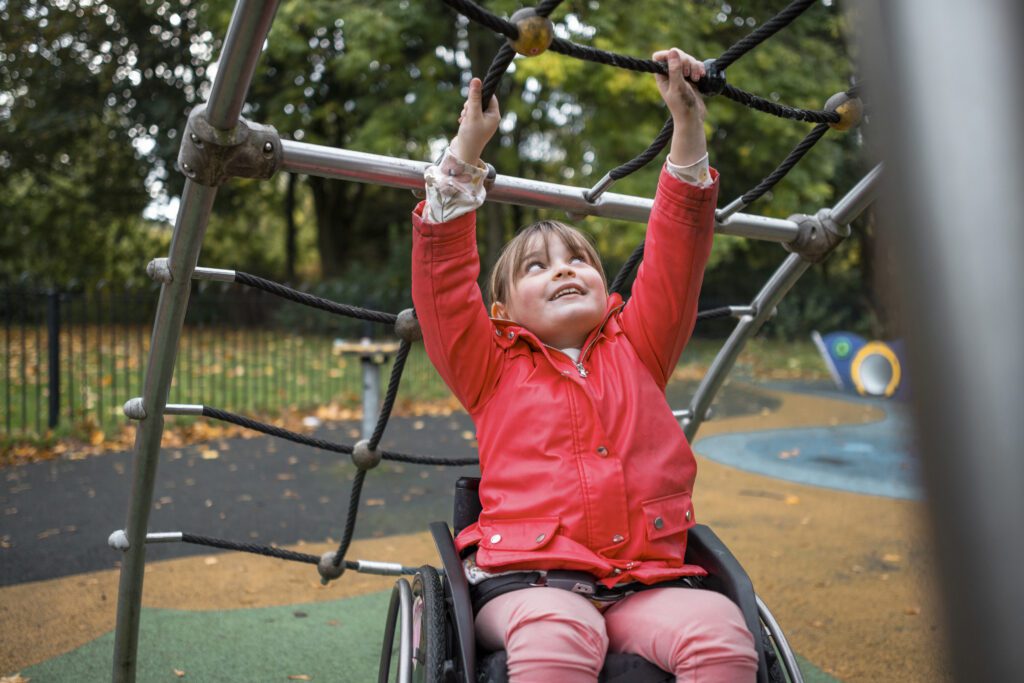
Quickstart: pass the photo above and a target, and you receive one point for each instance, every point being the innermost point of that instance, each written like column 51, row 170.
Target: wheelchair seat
column 446, row 650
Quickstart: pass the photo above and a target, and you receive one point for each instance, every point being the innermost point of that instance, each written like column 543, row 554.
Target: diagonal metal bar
column 246, row 34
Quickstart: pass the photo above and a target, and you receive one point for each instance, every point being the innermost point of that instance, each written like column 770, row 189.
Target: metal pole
column 249, row 26
column 170, row 313
column 343, row 164
column 53, row 347
column 960, row 248
column 764, row 304
column 371, row 394
column 845, row 210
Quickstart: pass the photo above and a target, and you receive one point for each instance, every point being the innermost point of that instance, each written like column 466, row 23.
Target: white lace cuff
column 698, row 173
column 454, row 188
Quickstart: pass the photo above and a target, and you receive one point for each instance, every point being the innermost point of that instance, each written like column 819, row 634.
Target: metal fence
column 72, row 358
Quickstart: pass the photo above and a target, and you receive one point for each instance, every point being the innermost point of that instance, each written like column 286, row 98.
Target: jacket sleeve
column 660, row 315
column 457, row 332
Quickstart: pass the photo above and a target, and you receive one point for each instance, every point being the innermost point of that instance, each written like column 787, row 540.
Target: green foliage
column 93, row 96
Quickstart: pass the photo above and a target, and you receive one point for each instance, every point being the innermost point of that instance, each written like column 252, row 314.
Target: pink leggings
column 555, row 635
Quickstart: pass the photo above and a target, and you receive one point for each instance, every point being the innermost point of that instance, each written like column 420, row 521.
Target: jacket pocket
column 668, row 515
column 528, row 533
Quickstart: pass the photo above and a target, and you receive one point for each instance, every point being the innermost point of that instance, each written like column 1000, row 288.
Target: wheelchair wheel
column 782, row 666
column 428, row 638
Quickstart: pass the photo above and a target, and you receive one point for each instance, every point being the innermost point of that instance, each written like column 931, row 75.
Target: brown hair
column 506, row 270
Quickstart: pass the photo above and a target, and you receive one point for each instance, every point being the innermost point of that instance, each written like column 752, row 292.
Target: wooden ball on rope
column 850, row 110
column 535, row 32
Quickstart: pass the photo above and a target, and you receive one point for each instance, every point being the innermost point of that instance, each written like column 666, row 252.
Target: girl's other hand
column 677, row 89
column 476, row 125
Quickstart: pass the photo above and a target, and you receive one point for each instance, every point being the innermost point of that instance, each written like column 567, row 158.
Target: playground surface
column 814, row 492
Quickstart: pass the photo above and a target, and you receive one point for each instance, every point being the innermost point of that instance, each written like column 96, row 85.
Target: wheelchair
column 433, row 616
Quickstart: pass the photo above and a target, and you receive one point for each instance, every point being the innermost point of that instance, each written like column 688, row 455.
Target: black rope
column 350, row 518
column 763, row 32
column 789, row 162
column 478, row 14
column 645, row 157
column 494, row 73
column 224, row 416
column 499, row 65
column 314, row 301
column 713, row 313
column 628, row 267
column 780, row 110
column 269, row 551
column 392, row 392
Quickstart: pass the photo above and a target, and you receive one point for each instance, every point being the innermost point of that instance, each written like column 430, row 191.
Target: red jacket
column 591, row 473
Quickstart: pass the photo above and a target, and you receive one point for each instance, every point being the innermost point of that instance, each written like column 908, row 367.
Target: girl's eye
column 577, row 259
column 533, row 265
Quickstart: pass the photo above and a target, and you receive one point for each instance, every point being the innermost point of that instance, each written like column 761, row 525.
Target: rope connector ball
column 363, row 457
column 328, row 569
column 850, row 110
column 407, row 327
column 713, row 82
column 119, row 540
column 535, row 32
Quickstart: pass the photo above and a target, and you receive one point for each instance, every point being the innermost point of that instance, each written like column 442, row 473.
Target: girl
column 583, row 465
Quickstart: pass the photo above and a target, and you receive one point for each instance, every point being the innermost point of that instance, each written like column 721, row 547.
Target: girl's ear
column 499, row 311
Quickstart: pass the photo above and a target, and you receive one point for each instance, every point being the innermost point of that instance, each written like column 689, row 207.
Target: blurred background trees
column 94, row 95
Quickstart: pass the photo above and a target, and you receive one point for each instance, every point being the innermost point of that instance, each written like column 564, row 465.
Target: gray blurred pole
column 946, row 89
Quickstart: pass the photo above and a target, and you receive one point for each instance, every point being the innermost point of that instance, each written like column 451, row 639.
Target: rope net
column 713, row 83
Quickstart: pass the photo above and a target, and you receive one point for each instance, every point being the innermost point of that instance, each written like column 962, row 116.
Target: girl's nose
column 565, row 269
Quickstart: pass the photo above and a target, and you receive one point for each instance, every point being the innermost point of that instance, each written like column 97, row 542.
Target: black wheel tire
column 429, row 652
column 776, row 673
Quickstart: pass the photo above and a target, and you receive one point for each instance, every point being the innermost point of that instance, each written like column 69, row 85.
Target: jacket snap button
column 497, row 331
column 511, row 335
column 689, row 515
column 540, row 537
column 602, row 451
column 658, row 522
column 617, row 538
column 616, row 571
column 495, row 538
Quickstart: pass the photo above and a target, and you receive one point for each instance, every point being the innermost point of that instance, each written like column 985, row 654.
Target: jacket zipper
column 579, row 363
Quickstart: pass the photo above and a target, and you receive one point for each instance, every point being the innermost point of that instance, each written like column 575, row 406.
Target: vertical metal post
column 250, row 24
column 371, row 394
column 960, row 249
column 53, row 348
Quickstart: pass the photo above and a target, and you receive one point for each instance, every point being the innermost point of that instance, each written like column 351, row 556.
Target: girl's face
column 555, row 294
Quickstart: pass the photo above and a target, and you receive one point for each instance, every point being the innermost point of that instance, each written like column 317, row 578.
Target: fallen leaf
column 792, row 500
column 300, row 677
column 179, row 673
column 14, row 678
column 374, row 502
column 912, row 611
column 285, row 476
column 209, row 454
column 891, row 558
column 210, row 561
column 468, row 436
column 96, row 438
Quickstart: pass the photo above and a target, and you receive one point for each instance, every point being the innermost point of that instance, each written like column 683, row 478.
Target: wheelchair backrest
column 467, row 503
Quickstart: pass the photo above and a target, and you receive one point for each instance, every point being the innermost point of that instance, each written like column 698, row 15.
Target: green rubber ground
column 328, row 641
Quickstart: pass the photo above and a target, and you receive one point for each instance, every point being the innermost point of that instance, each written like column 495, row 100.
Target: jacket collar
column 510, row 332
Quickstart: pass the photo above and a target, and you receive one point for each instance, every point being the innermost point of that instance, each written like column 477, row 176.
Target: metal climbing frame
column 219, row 145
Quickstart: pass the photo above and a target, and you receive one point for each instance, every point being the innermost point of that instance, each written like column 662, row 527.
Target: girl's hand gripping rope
column 476, row 125
column 684, row 101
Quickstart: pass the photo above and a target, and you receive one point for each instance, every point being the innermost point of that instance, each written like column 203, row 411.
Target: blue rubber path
column 874, row 458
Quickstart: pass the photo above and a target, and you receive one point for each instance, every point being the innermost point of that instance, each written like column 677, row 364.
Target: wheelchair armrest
column 458, row 588
column 727, row 576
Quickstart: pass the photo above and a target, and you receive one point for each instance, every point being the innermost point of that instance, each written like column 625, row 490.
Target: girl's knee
column 714, row 637
column 556, row 634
